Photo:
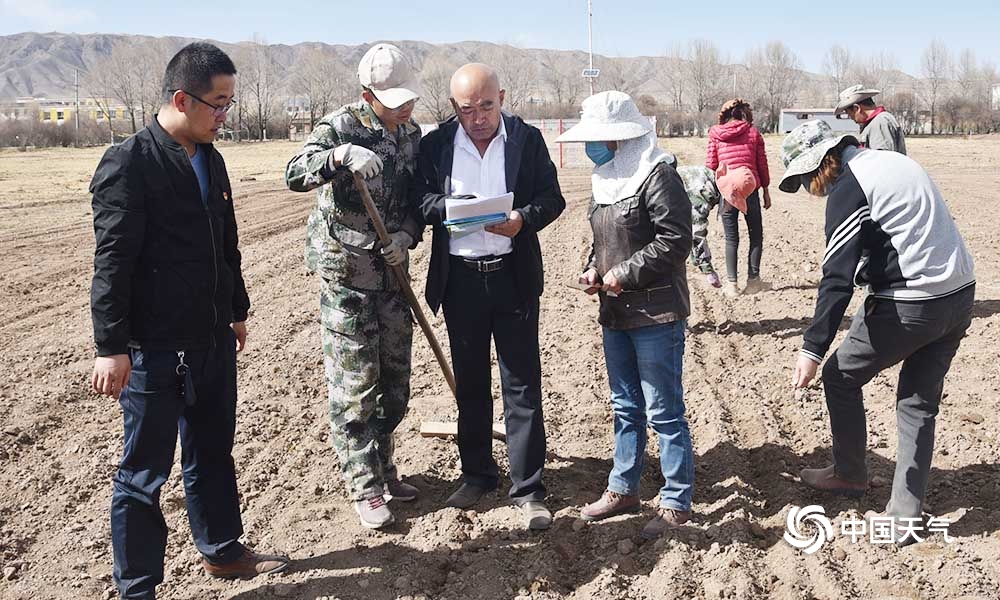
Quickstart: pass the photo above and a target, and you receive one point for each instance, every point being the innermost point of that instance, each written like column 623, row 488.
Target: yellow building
column 61, row 111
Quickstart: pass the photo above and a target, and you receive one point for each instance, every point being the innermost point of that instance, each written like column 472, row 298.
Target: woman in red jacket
column 736, row 143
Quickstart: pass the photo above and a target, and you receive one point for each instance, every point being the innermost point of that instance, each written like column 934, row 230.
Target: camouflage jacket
column 699, row 183
column 341, row 242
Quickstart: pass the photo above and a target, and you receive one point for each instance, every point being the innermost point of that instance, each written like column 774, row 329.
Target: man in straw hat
column 489, row 282
column 887, row 228
column 641, row 221
column 366, row 323
column 879, row 129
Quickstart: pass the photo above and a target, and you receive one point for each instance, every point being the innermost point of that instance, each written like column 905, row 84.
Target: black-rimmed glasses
column 218, row 111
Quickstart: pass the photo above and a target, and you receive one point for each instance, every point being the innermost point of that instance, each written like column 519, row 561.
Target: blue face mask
column 599, row 152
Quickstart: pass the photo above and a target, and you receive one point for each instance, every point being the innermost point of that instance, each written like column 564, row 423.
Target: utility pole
column 76, row 113
column 590, row 40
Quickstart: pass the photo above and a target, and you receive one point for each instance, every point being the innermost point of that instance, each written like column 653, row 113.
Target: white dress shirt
column 484, row 176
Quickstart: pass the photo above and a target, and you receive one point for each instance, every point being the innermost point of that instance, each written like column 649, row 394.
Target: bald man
column 489, row 281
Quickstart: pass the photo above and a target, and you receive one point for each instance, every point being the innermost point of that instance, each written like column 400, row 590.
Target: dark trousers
column 924, row 336
column 478, row 307
column 155, row 411
column 755, row 228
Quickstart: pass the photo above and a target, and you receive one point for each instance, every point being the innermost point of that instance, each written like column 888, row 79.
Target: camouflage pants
column 701, row 254
column 367, row 338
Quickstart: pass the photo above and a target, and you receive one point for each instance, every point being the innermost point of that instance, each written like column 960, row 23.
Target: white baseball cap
column 385, row 71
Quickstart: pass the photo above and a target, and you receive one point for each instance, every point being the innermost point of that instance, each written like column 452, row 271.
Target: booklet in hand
column 460, row 227
column 469, row 215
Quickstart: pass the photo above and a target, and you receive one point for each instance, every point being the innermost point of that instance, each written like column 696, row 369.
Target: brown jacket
column 646, row 239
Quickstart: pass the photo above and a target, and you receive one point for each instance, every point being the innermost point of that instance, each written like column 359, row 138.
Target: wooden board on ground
column 449, row 429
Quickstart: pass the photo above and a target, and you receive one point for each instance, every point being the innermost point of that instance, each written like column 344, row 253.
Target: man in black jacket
column 169, row 307
column 489, row 281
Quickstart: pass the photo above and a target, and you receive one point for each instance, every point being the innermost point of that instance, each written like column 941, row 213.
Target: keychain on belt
column 185, row 384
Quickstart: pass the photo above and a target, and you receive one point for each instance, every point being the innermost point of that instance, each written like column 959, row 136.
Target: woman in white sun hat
column 887, row 228
column 641, row 220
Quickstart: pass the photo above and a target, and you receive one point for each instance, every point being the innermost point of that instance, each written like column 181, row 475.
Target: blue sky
column 621, row 27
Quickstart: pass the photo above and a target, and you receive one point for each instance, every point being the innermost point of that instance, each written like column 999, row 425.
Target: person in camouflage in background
column 699, row 183
column 367, row 326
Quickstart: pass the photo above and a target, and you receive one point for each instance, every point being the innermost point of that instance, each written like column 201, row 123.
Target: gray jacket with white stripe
column 887, row 228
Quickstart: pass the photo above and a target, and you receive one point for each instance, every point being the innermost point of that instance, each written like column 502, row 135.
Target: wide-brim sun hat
column 608, row 117
column 803, row 150
column 853, row 95
column 386, row 71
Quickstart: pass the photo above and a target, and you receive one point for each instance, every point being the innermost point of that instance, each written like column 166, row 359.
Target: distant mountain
column 45, row 64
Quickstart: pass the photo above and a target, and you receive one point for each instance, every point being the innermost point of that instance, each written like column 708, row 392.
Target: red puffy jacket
column 738, row 144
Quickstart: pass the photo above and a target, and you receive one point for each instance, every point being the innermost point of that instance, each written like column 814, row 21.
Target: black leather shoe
column 466, row 496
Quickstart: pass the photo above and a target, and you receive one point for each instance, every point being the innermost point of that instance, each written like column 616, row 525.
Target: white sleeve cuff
column 813, row 357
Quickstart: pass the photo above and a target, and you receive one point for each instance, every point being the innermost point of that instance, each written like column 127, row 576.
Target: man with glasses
column 366, row 322
column 169, row 307
column 879, row 129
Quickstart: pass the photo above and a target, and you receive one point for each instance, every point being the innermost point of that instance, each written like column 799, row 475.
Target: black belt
column 483, row 264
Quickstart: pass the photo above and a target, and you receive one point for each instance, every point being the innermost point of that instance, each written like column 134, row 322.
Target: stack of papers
column 465, row 216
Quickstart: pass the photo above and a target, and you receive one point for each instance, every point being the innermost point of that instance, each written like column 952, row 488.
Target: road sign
column 591, row 73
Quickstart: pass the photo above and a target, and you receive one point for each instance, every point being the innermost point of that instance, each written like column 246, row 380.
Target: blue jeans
column 644, row 372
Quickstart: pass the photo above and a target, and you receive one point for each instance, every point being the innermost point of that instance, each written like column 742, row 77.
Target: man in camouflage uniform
column 699, row 183
column 366, row 323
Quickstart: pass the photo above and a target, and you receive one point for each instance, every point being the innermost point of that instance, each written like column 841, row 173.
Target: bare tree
column 967, row 75
column 989, row 75
column 936, row 68
column 618, row 74
column 837, row 67
column 121, row 76
column 971, row 108
column 128, row 81
column 258, row 84
column 706, row 74
column 877, row 71
column 435, row 76
column 518, row 74
column 324, row 81
column 675, row 75
column 906, row 108
column 774, row 81
column 239, row 117
column 151, row 59
column 97, row 83
column 562, row 78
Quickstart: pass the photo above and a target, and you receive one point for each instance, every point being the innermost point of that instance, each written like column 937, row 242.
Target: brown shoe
column 608, row 505
column 665, row 519
column 826, row 480
column 247, row 566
